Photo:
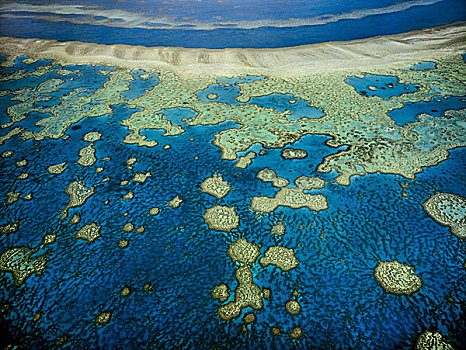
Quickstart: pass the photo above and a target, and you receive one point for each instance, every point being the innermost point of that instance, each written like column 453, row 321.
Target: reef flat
column 351, row 118
column 234, row 198
column 397, row 278
column 449, row 210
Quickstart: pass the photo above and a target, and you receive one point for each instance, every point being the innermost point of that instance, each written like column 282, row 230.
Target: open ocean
column 347, row 20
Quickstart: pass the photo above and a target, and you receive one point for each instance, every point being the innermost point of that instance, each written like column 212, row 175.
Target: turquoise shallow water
column 380, row 86
column 423, row 66
column 227, row 91
column 138, row 86
column 436, row 107
column 343, row 306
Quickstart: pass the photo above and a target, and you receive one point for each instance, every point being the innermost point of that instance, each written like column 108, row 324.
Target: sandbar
column 381, row 51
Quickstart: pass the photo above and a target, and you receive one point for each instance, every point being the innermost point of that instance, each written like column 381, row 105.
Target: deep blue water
column 266, row 36
column 230, row 10
column 182, row 259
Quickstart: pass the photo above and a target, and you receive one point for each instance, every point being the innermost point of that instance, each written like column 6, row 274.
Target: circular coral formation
column 397, row 278
column 175, row 202
column 291, row 153
column 275, row 331
column 89, row 232
column 131, row 161
column 244, row 252
column 296, row 333
column 123, row 243
column 220, row 292
column 278, row 230
column 249, row 318
column 125, row 291
column 7, row 154
column 221, row 218
column 49, row 238
column 266, row 293
column 281, row 257
column 56, row 168
column 215, row 186
column 293, row 307
column 92, row 136
column 229, row 311
column 307, row 183
column 75, row 219
column 212, row 96
column 103, row 318
column 128, row 227
column 154, row 211
column 87, row 156
column 448, row 210
column 431, row 340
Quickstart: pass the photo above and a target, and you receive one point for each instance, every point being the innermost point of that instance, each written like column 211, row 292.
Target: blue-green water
column 181, row 259
column 227, row 91
column 436, row 107
column 423, row 66
column 380, row 85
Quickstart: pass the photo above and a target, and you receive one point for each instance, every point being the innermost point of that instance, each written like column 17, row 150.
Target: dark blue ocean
column 337, row 21
column 343, row 306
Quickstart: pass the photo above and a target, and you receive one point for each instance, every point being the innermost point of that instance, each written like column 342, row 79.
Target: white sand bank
column 392, row 50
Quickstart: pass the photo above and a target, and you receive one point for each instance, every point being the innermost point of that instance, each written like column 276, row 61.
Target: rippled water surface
column 172, row 265
column 222, row 24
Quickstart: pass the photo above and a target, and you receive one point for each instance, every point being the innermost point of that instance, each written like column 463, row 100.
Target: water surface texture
column 106, row 239
column 222, row 24
column 177, row 206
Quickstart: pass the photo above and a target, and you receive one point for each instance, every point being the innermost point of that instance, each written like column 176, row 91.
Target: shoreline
column 382, row 51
